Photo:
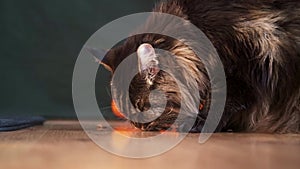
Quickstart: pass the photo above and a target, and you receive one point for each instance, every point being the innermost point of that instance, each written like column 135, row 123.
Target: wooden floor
column 63, row 144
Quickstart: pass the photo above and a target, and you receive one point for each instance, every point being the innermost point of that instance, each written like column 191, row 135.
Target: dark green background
column 40, row 41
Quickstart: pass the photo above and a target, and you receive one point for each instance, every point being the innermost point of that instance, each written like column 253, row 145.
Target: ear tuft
column 99, row 57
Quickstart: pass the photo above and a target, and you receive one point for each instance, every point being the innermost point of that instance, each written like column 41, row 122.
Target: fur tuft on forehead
column 148, row 62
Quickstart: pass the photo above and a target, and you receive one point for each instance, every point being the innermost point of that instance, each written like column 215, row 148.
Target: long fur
column 258, row 42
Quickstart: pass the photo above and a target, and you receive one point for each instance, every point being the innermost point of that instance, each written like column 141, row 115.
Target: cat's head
column 155, row 79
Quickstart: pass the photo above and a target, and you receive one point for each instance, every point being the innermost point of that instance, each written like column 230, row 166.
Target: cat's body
column 258, row 43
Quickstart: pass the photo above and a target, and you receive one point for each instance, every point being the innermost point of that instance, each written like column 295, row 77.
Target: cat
column 258, row 42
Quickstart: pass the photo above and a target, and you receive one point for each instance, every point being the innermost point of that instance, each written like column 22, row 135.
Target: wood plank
column 63, row 144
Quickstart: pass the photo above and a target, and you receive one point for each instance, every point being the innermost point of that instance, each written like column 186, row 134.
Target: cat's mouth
column 161, row 122
column 166, row 121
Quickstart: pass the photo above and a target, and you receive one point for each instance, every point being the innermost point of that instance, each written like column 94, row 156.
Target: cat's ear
column 99, row 56
column 148, row 59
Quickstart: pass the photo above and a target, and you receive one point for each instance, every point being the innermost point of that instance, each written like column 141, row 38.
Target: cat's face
column 153, row 98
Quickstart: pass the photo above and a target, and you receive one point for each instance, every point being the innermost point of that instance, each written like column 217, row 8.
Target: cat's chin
column 164, row 122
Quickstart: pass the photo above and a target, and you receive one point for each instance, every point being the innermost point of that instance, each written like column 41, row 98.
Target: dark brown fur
column 258, row 42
